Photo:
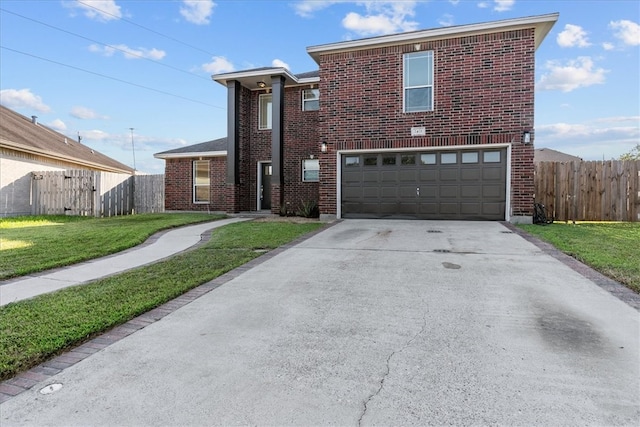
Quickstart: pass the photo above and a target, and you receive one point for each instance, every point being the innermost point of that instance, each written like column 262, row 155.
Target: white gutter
column 191, row 154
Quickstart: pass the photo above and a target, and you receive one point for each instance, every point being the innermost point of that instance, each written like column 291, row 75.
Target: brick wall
column 300, row 142
column 178, row 181
column 484, row 93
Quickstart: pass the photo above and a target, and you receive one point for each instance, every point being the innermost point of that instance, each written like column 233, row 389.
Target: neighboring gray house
column 549, row 155
column 27, row 146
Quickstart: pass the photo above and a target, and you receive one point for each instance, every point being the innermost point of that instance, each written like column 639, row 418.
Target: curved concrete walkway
column 154, row 249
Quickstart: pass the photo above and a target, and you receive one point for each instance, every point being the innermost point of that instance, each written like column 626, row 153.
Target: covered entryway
column 455, row 184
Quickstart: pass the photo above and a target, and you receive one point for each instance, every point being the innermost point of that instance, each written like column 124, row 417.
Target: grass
column 612, row 248
column 37, row 243
column 31, row 331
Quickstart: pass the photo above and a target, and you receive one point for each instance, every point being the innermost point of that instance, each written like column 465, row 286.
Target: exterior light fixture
column 526, row 137
column 262, row 85
column 323, row 147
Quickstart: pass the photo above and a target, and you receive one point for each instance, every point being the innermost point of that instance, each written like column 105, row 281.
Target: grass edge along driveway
column 34, row 330
column 611, row 248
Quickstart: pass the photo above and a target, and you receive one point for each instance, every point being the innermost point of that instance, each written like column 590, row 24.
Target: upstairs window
column 311, row 100
column 418, row 81
column 201, row 181
column 265, row 112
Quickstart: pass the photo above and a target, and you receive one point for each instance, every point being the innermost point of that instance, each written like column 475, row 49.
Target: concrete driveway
column 371, row 322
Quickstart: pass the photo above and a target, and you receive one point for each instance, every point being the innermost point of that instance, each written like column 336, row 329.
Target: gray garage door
column 447, row 184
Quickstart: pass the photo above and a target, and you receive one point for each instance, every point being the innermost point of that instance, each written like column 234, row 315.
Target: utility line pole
column 133, row 149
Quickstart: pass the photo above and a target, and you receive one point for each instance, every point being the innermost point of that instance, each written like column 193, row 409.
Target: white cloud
column 58, row 125
column 85, row 113
column 306, row 8
column 99, row 10
column 454, row 2
column 608, row 46
column 503, row 5
column 197, row 11
column 129, row 52
column 572, row 75
column 446, row 20
column 22, row 98
column 219, row 65
column 627, row 31
column 572, row 36
column 483, row 5
column 279, row 64
column 603, row 138
column 382, row 17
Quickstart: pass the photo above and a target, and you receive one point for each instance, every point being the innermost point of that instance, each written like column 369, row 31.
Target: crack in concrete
column 388, row 369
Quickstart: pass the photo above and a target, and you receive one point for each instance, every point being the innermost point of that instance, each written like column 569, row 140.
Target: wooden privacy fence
column 92, row 193
column 589, row 191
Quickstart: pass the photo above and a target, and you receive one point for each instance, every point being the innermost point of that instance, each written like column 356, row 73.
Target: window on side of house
column 311, row 100
column 310, row 170
column 265, row 112
column 201, row 181
column 418, row 81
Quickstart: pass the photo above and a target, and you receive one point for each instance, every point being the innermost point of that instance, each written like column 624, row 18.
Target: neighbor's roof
column 19, row 133
column 214, row 148
column 541, row 23
column 549, row 155
column 251, row 78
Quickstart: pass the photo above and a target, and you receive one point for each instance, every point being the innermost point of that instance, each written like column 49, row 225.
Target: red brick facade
column 484, row 94
column 300, row 142
column 178, row 185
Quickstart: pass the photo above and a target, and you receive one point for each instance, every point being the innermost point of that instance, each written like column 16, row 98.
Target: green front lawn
column 37, row 243
column 33, row 330
column 612, row 248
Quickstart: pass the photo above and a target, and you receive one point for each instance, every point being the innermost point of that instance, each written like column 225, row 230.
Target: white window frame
column 307, row 169
column 306, row 101
column 428, row 84
column 265, row 111
column 197, row 184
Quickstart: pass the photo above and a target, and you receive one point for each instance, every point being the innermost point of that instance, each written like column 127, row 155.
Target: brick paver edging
column 26, row 380
column 616, row 289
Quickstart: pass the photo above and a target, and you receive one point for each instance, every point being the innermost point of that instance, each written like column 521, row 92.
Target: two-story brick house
column 432, row 124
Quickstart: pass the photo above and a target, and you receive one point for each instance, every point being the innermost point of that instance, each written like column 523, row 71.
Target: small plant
column 309, row 209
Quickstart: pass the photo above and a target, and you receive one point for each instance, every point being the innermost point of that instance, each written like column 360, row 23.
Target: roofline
column 25, row 149
column 267, row 72
column 190, row 154
column 542, row 23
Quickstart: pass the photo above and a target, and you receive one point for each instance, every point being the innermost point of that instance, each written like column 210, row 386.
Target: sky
column 133, row 78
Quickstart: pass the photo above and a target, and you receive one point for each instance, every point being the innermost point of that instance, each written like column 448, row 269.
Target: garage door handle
column 417, row 191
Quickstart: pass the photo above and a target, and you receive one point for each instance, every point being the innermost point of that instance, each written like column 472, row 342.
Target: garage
column 454, row 184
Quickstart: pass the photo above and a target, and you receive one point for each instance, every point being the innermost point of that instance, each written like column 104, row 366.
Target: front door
column 265, row 185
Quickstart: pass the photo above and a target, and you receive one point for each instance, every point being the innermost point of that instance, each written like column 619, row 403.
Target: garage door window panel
column 470, row 157
column 491, row 157
column 371, row 160
column 428, row 159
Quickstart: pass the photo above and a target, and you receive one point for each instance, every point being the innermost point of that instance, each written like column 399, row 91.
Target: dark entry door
column 265, row 185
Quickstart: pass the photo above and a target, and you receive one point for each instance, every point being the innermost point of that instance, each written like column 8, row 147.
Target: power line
column 147, row 29
column 111, row 78
column 104, row 44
